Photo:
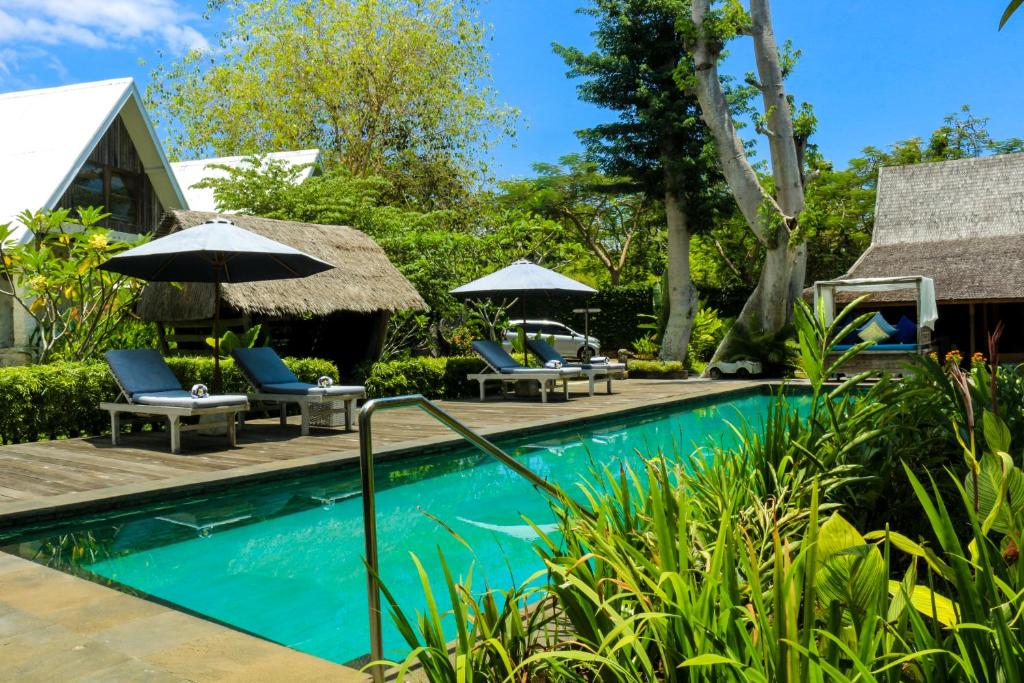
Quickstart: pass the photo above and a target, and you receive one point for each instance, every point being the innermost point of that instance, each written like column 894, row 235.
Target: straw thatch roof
column 363, row 279
column 960, row 223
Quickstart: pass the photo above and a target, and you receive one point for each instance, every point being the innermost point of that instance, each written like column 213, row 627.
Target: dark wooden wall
column 116, row 150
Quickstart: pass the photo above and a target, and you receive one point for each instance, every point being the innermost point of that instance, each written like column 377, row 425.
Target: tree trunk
column 772, row 219
column 682, row 295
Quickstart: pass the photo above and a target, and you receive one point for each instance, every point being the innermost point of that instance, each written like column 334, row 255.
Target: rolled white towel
column 325, row 382
column 553, row 364
column 200, row 391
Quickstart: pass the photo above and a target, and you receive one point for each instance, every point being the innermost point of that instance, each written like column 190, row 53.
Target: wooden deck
column 56, row 476
column 54, row 626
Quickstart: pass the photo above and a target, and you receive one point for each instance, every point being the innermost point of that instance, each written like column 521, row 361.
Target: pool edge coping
column 25, row 512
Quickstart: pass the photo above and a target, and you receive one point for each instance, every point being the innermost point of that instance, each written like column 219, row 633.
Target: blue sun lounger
column 148, row 387
column 505, row 368
column 273, row 382
column 591, row 370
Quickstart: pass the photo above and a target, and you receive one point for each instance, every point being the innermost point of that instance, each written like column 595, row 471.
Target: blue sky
column 876, row 71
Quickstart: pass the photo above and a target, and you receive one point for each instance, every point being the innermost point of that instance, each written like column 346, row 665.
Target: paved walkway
column 57, row 627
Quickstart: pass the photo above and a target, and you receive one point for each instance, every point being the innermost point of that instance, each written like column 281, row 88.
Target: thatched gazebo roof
column 961, row 223
column 363, row 279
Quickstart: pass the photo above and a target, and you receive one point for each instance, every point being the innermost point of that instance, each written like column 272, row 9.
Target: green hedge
column 432, row 377
column 61, row 399
column 616, row 326
column 655, row 367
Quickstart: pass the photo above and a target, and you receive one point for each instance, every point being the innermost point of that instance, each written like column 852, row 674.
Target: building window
column 117, row 191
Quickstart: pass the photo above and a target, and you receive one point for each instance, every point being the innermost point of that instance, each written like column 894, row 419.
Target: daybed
column 893, row 343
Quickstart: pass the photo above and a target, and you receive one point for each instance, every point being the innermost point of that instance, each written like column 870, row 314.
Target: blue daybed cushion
column 141, row 371
column 876, row 329
column 878, row 347
column 263, row 366
column 906, row 331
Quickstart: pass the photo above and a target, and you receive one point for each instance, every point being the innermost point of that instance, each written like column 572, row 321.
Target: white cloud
column 100, row 23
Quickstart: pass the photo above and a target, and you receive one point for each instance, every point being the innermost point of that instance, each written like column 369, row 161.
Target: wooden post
column 970, row 309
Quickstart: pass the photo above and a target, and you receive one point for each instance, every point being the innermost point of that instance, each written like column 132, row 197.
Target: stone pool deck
column 54, row 626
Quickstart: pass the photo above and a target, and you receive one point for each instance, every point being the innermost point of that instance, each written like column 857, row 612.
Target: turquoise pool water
column 284, row 560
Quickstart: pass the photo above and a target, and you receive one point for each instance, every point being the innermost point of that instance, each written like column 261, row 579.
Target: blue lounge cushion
column 303, row 389
column 142, row 371
column 544, row 351
column 876, row 329
column 180, row 398
column 262, row 366
column 496, row 357
column 906, row 331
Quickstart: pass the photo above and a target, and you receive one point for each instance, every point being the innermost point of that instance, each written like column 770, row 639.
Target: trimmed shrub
column 432, row 377
column 61, row 400
column 656, row 369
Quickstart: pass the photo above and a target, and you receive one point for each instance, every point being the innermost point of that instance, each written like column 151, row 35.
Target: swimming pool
column 283, row 560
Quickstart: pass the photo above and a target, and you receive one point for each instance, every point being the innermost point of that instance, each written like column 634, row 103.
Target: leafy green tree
column 771, row 203
column 436, row 249
column 76, row 307
column 839, row 211
column 658, row 140
column 382, row 87
column 612, row 223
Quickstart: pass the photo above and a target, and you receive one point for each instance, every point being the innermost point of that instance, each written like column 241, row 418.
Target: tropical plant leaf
column 931, row 604
column 997, row 434
column 852, row 571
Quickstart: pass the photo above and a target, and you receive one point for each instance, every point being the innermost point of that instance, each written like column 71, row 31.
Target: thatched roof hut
column 362, row 281
column 960, row 223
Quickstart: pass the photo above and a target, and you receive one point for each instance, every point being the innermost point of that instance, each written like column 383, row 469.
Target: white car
column 740, row 368
column 568, row 342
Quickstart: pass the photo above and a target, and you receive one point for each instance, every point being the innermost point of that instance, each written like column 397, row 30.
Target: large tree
column 771, row 207
column 658, row 140
column 609, row 219
column 393, row 87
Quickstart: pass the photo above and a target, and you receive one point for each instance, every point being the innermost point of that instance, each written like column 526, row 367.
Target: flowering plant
column 55, row 278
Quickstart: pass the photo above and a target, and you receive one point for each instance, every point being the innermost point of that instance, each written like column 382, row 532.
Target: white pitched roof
column 189, row 173
column 47, row 134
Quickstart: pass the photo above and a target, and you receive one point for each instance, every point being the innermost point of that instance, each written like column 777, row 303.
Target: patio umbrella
column 522, row 280
column 218, row 251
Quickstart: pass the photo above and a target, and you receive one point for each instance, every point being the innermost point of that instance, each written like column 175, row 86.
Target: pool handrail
column 369, row 503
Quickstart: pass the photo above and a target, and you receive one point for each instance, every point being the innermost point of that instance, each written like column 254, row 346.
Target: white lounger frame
column 304, row 401
column 173, row 415
column 596, row 372
column 541, row 378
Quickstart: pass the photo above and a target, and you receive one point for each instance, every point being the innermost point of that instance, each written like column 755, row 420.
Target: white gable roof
column 188, row 173
column 46, row 135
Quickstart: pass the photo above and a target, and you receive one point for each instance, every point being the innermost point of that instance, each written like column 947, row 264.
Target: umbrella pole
column 522, row 308
column 217, row 388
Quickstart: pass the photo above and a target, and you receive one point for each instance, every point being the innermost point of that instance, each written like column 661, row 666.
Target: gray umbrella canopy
column 218, row 251
column 522, row 279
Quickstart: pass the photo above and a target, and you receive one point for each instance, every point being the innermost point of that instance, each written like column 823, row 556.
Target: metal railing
column 369, row 503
